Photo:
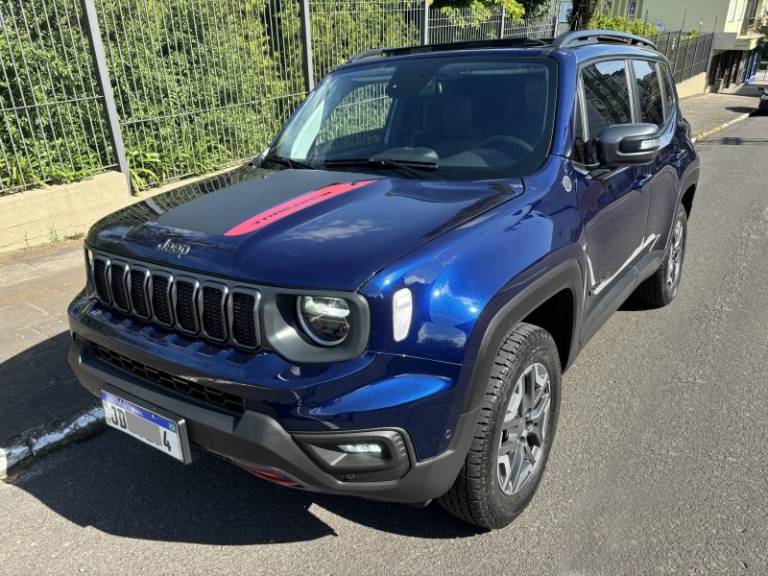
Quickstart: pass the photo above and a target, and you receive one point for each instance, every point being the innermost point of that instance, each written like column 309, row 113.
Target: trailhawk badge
column 171, row 247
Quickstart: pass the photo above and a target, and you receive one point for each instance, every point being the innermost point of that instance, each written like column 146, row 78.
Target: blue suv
column 382, row 304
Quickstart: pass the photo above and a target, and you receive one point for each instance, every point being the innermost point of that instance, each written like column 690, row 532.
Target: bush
column 51, row 129
column 198, row 83
column 623, row 24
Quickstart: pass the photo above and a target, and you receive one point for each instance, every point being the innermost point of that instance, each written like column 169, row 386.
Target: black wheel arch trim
column 689, row 178
column 566, row 276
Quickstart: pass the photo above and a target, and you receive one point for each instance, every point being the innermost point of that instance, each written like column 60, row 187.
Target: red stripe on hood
column 297, row 204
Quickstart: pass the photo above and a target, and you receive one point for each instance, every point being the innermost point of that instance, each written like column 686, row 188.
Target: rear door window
column 649, row 92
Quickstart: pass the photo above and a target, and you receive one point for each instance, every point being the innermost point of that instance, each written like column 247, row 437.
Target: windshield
column 472, row 117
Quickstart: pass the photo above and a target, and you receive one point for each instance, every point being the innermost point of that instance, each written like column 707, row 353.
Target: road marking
column 708, row 133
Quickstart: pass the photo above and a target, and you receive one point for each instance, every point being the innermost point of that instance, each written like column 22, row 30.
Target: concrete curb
column 41, row 442
column 710, row 132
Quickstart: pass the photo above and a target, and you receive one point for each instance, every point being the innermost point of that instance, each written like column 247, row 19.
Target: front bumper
column 259, row 440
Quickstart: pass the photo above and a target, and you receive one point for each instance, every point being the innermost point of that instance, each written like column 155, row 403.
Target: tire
column 477, row 495
column 659, row 290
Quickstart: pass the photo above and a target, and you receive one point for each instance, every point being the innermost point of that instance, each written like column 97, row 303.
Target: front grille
column 118, row 273
column 161, row 298
column 214, row 318
column 138, row 285
column 244, row 321
column 212, row 310
column 185, row 386
column 185, row 293
column 100, row 266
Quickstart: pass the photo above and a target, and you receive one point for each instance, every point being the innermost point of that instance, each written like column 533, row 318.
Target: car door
column 613, row 202
column 660, row 179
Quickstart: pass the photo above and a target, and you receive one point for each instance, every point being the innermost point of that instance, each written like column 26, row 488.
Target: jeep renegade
column 382, row 304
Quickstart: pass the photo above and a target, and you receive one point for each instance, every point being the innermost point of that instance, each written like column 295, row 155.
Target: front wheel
column 514, row 432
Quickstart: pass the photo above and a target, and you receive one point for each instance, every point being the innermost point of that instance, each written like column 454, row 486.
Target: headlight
column 325, row 320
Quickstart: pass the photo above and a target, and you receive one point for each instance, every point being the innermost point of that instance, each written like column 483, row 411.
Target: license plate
column 164, row 433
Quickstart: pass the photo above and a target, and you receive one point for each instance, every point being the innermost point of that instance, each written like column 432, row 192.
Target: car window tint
column 606, row 98
column 606, row 93
column 669, row 91
column 469, row 117
column 648, row 92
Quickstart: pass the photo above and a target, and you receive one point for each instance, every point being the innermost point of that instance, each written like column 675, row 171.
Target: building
column 736, row 23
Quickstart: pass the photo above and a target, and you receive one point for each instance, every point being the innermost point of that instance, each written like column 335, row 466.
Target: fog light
column 361, row 448
column 368, row 456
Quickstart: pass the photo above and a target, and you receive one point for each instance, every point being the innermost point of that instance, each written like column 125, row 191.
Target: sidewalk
column 38, row 392
column 709, row 113
column 41, row 403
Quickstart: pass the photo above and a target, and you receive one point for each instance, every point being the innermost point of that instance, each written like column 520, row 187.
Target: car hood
column 294, row 228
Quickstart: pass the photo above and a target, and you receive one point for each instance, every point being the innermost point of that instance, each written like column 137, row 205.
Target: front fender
column 479, row 277
column 457, row 278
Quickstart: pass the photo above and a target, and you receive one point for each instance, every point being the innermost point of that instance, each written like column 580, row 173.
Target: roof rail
column 584, row 37
column 465, row 45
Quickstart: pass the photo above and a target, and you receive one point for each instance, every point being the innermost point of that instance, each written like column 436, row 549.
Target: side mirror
column 628, row 145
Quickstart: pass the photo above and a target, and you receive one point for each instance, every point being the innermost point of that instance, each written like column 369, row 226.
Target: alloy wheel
column 675, row 256
column 524, row 429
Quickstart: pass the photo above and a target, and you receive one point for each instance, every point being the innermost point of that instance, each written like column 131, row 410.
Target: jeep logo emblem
column 174, row 248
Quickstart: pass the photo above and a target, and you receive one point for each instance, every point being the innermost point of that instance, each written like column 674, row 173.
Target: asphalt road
column 660, row 465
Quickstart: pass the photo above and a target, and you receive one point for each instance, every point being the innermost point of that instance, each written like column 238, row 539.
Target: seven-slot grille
column 211, row 310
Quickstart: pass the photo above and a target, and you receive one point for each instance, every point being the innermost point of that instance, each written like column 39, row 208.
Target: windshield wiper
column 288, row 162
column 410, row 167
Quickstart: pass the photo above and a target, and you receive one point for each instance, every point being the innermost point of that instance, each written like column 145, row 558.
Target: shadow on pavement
column 124, row 488
column 732, row 141
column 38, row 389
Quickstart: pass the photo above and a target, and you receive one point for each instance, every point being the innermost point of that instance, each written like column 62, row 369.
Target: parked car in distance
column 382, row 305
column 762, row 107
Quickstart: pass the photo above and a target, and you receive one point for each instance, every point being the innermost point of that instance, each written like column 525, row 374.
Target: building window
column 632, row 9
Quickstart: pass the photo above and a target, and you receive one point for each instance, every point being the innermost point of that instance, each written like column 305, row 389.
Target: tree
column 514, row 8
column 582, row 13
column 534, row 7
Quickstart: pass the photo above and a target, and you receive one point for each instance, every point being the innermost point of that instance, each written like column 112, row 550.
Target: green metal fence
column 163, row 89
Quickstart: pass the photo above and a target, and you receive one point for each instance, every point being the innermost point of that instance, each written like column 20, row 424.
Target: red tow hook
column 272, row 475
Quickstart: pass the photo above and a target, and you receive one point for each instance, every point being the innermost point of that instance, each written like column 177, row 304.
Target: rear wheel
column 661, row 288
column 514, row 432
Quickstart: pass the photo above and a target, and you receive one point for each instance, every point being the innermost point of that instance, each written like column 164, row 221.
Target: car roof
column 584, row 44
